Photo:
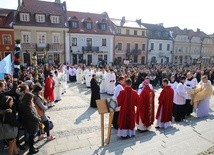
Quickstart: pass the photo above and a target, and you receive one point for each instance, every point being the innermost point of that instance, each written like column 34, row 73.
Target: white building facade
column 160, row 51
column 90, row 49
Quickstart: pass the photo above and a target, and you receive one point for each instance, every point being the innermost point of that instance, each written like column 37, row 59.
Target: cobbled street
column 77, row 130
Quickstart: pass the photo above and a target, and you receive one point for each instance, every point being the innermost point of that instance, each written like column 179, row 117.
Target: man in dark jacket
column 95, row 91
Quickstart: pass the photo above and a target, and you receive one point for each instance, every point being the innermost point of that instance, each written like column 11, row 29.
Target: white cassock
column 140, row 88
column 79, row 75
column 103, row 82
column 88, row 76
column 174, row 86
column 58, row 87
column 190, row 86
column 64, row 78
column 111, row 79
column 117, row 90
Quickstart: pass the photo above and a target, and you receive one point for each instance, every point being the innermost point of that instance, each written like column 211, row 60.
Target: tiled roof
column 189, row 32
column 82, row 17
column 127, row 23
column 42, row 7
column 6, row 18
column 157, row 31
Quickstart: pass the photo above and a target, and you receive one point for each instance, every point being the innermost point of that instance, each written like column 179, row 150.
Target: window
column 120, row 46
column 127, row 32
column 168, row 47
column 74, row 41
column 89, row 42
column 41, row 38
column 135, row 58
column 128, row 47
column 136, row 46
column 143, row 47
column 7, row 40
column 73, row 24
column 160, row 46
column 118, row 31
column 26, row 37
column 103, row 42
column 55, row 19
column 106, row 58
column 40, row 18
column 152, row 46
column 143, row 33
column 103, row 26
column 89, row 26
column 24, row 17
column 55, row 37
column 135, row 32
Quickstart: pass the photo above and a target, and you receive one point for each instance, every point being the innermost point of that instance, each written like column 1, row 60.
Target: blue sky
column 191, row 14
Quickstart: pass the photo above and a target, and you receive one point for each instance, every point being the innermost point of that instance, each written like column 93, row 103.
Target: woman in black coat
column 9, row 118
column 95, row 91
column 30, row 119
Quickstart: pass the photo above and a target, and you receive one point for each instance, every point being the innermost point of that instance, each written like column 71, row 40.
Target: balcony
column 55, row 47
column 136, row 51
column 28, row 46
column 90, row 49
column 41, row 47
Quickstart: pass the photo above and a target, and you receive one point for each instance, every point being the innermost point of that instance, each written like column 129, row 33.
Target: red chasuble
column 145, row 107
column 49, row 89
column 127, row 100
column 166, row 103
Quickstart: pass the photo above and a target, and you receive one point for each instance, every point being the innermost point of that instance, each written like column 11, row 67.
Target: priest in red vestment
column 49, row 89
column 145, row 108
column 165, row 107
column 127, row 100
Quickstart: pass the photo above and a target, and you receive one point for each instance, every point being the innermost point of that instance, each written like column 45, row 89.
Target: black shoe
column 21, row 147
column 33, row 151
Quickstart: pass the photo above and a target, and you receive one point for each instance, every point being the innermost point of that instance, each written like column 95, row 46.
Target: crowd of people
column 25, row 100
column 185, row 90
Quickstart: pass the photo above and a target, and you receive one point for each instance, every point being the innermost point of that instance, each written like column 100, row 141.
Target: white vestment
column 58, row 87
column 79, row 75
column 88, row 77
column 103, row 82
column 111, row 79
column 174, row 86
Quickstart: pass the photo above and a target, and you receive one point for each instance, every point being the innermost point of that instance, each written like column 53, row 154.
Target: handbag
column 7, row 131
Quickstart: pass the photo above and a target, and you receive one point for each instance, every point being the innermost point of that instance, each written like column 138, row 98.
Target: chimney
column 123, row 20
column 57, row 1
column 139, row 21
column 65, row 6
column 19, row 3
column 161, row 24
column 198, row 30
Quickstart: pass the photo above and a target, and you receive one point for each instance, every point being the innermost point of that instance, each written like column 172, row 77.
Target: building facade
column 90, row 38
column 7, row 42
column 160, row 44
column 41, row 26
column 130, row 42
column 191, row 47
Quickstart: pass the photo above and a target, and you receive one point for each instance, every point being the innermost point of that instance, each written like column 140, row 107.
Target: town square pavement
column 77, row 131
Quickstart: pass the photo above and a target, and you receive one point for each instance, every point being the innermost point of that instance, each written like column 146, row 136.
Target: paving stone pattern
column 77, row 128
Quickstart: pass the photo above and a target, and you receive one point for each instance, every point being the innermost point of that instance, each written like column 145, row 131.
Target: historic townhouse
column 90, row 38
column 7, row 42
column 41, row 26
column 160, row 44
column 191, row 47
column 130, row 41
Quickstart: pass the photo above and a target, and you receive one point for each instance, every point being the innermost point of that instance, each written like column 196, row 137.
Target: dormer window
column 103, row 26
column 88, row 26
column 55, row 19
column 73, row 24
column 40, row 18
column 24, row 17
